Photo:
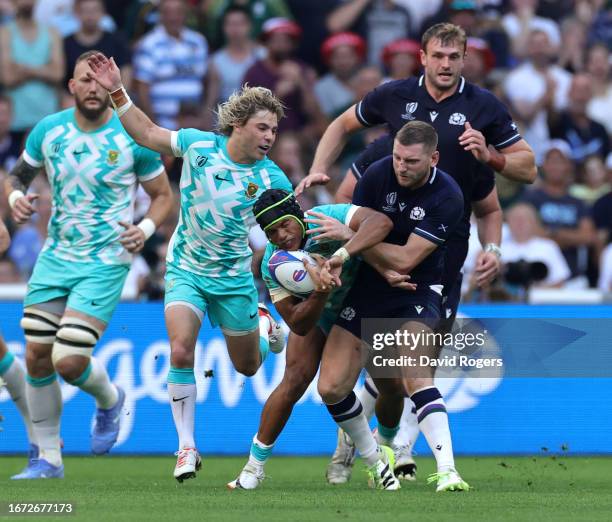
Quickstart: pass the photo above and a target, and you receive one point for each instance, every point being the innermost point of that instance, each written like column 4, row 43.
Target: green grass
column 545, row 488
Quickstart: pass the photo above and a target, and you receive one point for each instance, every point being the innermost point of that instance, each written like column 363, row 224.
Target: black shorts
column 360, row 303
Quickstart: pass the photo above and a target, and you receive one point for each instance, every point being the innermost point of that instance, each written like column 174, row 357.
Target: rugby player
column 477, row 138
column 93, row 167
column 350, row 227
column 209, row 259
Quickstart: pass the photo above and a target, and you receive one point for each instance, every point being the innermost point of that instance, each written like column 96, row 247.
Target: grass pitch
column 539, row 488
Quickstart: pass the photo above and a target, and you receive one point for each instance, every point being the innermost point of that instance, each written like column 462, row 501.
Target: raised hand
column 104, row 71
column 474, row 141
column 316, row 178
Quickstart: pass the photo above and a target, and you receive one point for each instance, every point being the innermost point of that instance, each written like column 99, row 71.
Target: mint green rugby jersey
column 343, row 212
column 217, row 198
column 93, row 178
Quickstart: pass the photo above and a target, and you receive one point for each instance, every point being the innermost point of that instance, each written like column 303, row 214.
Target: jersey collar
column 457, row 93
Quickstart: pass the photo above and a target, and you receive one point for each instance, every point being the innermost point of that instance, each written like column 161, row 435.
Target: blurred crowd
column 548, row 60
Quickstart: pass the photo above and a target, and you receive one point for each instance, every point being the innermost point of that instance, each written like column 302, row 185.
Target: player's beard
column 90, row 113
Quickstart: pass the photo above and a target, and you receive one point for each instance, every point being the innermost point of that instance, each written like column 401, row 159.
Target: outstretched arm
column 330, row 145
column 137, row 124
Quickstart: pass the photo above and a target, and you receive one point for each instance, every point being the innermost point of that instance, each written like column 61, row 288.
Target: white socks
column 45, row 404
column 182, row 402
column 96, row 382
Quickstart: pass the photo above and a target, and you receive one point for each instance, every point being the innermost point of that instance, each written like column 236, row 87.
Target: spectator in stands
column 479, row 61
column 170, row 65
column 401, row 59
column 229, row 64
column 605, row 270
column 60, row 15
column 522, row 21
column 31, row 66
column 343, row 53
column 534, row 88
column 524, row 244
column 260, row 10
column 602, row 211
column 565, row 219
column 573, row 43
column 597, row 16
column 595, row 179
column 379, row 22
column 289, row 79
column 10, row 144
column 91, row 36
column 598, row 68
column 585, row 136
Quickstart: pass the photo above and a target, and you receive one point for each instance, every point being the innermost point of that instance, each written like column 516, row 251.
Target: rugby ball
column 287, row 269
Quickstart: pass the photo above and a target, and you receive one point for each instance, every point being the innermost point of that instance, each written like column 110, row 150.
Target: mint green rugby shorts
column 230, row 302
column 92, row 288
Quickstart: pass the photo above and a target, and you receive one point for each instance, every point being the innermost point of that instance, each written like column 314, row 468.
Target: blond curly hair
column 243, row 104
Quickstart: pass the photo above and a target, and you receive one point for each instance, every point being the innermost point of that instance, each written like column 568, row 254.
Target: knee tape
column 74, row 337
column 39, row 327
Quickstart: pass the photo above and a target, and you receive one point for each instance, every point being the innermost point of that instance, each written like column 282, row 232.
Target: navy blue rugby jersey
column 400, row 101
column 431, row 211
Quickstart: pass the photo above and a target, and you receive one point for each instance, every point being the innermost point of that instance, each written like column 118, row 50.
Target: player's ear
column 435, row 157
column 71, row 85
column 422, row 55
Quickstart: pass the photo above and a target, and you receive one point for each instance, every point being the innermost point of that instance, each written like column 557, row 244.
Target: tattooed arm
column 16, row 185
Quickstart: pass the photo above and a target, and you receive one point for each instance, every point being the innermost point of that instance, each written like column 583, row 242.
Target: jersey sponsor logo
column 433, row 115
column 391, row 199
column 402, row 206
column 298, row 275
column 348, row 313
column 411, row 107
column 112, row 157
column 418, row 309
column 251, row 190
column 417, row 213
column 456, row 118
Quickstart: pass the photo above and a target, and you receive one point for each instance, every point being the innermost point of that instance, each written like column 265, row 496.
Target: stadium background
column 493, row 416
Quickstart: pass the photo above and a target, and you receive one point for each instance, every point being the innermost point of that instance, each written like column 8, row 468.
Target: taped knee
column 38, row 326
column 74, row 337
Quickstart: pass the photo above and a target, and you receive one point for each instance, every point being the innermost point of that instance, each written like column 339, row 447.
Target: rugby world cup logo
column 299, row 275
column 390, row 199
column 411, row 107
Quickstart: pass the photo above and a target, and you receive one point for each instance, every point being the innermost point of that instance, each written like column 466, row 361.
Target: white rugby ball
column 287, row 269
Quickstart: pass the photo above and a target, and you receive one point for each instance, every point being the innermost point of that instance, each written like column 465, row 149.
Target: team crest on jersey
column 417, row 213
column 411, row 107
column 348, row 313
column 391, row 199
column 251, row 190
column 112, row 157
column 456, row 118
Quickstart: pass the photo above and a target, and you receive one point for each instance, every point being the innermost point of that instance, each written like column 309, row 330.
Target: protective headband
column 274, row 205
